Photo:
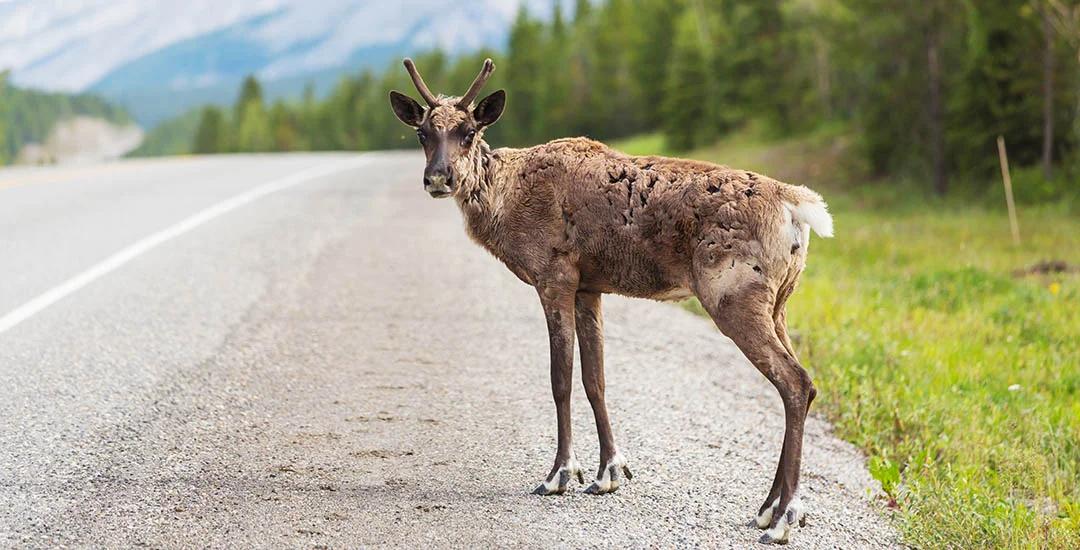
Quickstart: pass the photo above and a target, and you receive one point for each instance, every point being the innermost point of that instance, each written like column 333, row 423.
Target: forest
column 926, row 91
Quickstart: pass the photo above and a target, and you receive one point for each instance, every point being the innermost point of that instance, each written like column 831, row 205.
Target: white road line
column 117, row 260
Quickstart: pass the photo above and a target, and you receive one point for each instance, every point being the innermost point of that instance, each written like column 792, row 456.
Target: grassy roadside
column 955, row 372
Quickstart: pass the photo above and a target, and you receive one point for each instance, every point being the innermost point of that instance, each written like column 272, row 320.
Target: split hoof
column 610, row 477
column 557, row 482
column 764, row 518
column 780, row 530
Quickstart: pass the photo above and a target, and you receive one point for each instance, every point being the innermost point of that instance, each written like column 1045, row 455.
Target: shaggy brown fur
column 576, row 219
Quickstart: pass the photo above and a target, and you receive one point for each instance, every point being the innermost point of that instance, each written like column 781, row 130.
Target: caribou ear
column 406, row 109
column 490, row 108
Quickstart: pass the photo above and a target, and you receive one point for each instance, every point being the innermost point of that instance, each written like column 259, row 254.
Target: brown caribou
column 577, row 220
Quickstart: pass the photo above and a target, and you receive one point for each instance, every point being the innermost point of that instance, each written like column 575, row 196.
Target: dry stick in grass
column 1004, row 157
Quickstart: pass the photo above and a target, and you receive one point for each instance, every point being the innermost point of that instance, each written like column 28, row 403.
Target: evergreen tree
column 582, row 120
column 253, row 134
column 898, row 95
column 686, row 101
column 752, row 60
column 613, row 98
column 1001, row 91
column 362, row 104
column 582, row 10
column 252, row 123
column 285, row 134
column 523, row 72
column 210, row 135
column 650, row 55
column 250, row 92
column 557, row 109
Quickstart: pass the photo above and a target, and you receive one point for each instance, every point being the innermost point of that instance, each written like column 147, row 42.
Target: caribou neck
column 475, row 196
column 482, row 196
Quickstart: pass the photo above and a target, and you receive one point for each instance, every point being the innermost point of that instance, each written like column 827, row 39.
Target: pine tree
column 557, row 109
column 285, row 135
column 686, row 119
column 525, row 64
column 252, row 125
column 651, row 53
column 210, row 135
column 580, row 70
column 250, row 91
column 582, row 10
column 613, row 98
column 751, row 63
column 253, row 133
column 1002, row 89
column 898, row 63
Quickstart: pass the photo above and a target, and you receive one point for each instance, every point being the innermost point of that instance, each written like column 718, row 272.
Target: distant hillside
column 171, row 137
column 29, row 116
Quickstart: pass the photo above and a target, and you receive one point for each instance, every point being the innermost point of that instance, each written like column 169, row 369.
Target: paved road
column 334, row 364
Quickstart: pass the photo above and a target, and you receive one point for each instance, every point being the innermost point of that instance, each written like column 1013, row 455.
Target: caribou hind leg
column 589, row 321
column 765, row 514
column 743, row 307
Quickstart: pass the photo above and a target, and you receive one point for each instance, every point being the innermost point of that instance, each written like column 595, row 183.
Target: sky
column 68, row 45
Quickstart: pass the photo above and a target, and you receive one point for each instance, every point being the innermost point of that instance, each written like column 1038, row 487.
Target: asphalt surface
column 336, row 365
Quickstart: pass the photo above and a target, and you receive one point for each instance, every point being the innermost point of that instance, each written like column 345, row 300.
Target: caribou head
column 448, row 127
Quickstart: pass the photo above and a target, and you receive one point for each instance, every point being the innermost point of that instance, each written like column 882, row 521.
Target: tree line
column 926, row 87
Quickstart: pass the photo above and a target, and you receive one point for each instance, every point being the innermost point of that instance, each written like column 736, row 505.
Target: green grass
column 644, row 144
column 959, row 378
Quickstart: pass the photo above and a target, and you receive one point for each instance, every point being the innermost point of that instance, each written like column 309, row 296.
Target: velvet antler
column 419, row 83
column 481, row 79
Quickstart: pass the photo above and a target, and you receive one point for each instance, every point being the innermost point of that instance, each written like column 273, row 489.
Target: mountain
column 159, row 58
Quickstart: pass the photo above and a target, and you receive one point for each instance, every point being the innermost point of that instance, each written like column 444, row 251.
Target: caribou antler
column 481, row 79
column 419, row 83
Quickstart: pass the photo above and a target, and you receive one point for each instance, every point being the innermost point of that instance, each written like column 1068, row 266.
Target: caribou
column 576, row 220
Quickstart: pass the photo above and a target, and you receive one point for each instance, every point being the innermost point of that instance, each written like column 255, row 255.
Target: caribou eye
column 467, row 141
column 420, row 135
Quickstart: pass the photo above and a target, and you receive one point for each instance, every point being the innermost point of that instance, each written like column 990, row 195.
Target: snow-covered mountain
column 139, row 52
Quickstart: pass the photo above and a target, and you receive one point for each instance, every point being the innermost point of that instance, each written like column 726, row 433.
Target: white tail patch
column 814, row 212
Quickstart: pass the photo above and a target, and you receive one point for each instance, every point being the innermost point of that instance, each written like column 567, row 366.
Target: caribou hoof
column 780, row 530
column 764, row 518
column 557, row 482
column 610, row 476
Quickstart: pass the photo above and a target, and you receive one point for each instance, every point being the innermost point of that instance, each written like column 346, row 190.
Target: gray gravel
column 337, row 365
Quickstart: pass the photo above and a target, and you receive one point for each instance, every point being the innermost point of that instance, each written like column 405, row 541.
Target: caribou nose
column 438, row 180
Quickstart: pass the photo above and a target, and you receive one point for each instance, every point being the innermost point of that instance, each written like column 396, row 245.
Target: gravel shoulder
column 387, row 386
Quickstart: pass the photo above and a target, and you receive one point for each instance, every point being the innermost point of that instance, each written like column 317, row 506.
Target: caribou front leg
column 558, row 302
column 589, row 320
